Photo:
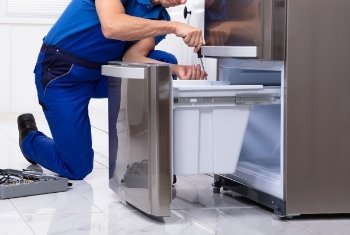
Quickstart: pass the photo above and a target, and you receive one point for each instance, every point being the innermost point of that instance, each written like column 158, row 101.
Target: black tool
column 200, row 56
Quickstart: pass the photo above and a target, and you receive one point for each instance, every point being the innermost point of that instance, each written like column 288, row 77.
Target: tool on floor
column 16, row 183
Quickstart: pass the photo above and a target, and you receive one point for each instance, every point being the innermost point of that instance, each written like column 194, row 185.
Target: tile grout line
column 202, row 222
column 22, row 216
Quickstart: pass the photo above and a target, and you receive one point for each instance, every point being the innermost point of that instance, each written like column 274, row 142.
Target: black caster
column 216, row 190
column 174, row 179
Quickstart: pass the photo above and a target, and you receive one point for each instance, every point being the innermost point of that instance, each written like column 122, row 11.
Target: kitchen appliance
column 282, row 67
column 294, row 156
column 167, row 127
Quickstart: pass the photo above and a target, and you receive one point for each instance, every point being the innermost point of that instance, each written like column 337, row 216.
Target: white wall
column 19, row 46
column 4, row 69
column 22, row 30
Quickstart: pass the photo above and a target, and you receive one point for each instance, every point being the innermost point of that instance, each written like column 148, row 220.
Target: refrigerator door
column 140, row 133
column 244, row 29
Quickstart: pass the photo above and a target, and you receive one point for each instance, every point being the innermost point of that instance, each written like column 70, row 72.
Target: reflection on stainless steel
column 231, row 22
column 246, row 23
column 140, row 136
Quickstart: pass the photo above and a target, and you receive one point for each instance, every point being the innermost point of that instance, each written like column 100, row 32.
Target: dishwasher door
column 140, row 131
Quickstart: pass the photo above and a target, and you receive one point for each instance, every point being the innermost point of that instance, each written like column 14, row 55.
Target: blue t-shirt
column 78, row 29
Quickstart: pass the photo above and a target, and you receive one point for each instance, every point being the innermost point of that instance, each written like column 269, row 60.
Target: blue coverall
column 68, row 75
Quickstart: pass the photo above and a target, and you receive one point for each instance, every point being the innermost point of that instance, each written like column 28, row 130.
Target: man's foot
column 26, row 123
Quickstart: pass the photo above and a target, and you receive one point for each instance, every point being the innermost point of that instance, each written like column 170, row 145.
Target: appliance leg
column 217, row 184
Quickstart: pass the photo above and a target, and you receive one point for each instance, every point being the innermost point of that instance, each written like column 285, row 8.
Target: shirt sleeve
column 146, row 10
column 163, row 15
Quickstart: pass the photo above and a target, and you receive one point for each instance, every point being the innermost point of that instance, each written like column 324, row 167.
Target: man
column 88, row 34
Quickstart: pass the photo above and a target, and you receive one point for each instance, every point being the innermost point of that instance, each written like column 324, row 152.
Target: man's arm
column 118, row 25
column 140, row 50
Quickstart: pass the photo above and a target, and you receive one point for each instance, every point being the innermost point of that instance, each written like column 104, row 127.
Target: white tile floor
column 90, row 207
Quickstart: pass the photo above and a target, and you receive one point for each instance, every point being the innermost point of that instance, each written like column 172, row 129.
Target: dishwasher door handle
column 125, row 71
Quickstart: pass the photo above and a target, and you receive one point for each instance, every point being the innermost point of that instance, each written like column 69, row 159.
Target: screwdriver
column 200, row 56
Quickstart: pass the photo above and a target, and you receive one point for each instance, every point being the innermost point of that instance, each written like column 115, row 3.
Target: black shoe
column 26, row 123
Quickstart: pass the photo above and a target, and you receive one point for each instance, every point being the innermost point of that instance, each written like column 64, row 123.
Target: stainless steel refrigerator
column 284, row 68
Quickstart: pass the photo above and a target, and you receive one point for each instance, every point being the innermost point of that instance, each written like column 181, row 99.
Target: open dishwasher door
column 139, row 108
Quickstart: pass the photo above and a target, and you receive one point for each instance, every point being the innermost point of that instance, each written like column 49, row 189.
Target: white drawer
column 209, row 123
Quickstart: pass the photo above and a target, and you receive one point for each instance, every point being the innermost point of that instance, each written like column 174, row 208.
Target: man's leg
column 65, row 101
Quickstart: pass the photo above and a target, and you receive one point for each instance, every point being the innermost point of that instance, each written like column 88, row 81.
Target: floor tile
column 250, row 221
column 102, row 197
column 11, row 155
column 191, row 194
column 135, row 222
column 324, row 225
column 6, row 208
column 100, row 146
column 13, row 225
column 77, row 224
column 97, row 178
column 63, row 202
column 11, row 222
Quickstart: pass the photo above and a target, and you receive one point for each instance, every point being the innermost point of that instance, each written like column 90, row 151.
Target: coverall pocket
column 53, row 69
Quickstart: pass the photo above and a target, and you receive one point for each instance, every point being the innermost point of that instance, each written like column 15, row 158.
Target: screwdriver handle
column 199, row 53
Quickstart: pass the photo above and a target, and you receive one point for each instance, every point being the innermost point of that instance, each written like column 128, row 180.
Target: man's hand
column 189, row 72
column 191, row 36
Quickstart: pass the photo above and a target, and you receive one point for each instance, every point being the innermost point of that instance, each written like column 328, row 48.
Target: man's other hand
column 189, row 72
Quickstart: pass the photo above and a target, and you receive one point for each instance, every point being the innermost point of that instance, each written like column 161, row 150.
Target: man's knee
column 80, row 168
column 80, row 174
